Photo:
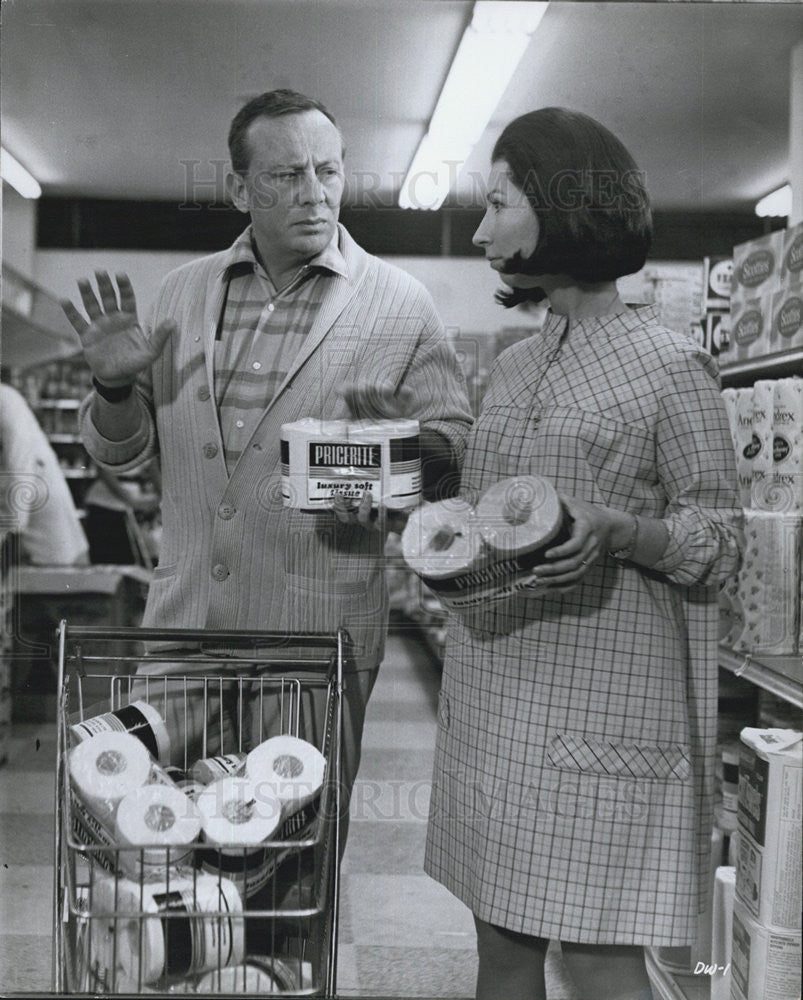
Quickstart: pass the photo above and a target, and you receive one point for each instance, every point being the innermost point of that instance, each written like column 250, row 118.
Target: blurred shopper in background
column 574, row 768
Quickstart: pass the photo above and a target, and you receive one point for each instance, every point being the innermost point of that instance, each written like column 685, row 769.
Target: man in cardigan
column 293, row 320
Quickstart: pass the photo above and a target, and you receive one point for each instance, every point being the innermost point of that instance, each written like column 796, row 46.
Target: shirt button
column 239, row 423
column 226, row 511
column 210, row 450
column 203, row 392
column 220, row 572
column 271, row 307
column 256, row 365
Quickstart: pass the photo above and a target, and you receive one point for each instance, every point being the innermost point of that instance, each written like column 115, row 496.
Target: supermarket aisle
column 26, row 852
column 402, row 934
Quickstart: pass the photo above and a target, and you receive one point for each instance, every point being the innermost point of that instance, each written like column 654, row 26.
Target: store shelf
column 57, row 438
column 673, row 985
column 58, row 404
column 780, row 365
column 778, row 674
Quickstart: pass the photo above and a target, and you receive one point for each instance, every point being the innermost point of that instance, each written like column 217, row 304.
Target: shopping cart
column 208, row 917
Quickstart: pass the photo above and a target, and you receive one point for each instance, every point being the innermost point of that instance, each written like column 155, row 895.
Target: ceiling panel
column 130, row 98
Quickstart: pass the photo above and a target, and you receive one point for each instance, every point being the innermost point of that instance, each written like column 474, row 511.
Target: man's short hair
column 272, row 104
column 587, row 193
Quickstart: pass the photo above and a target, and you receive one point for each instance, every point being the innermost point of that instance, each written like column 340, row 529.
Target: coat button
column 219, row 571
column 210, row 450
column 226, row 511
column 204, row 393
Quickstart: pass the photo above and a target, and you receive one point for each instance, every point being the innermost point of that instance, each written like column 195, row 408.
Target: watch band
column 627, row 550
column 113, row 393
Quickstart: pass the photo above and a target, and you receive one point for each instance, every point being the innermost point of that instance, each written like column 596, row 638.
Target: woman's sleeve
column 697, row 468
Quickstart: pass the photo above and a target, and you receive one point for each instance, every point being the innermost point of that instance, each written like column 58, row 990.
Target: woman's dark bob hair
column 587, row 193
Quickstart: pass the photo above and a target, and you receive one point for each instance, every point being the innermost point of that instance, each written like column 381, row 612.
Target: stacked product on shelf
column 171, row 856
column 766, row 916
column 715, row 316
column 766, row 296
column 761, row 605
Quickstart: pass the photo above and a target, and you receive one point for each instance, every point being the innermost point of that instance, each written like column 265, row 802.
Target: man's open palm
column 115, row 345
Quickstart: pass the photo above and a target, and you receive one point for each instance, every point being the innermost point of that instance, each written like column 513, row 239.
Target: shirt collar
column 241, row 259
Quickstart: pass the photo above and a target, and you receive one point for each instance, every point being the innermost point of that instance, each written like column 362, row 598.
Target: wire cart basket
column 207, row 916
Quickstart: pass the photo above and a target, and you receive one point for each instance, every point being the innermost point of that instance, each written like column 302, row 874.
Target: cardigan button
column 210, row 450
column 220, row 572
column 204, row 393
column 226, row 511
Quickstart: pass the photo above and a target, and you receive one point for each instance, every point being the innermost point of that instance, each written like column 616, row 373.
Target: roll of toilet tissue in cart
column 237, row 815
column 139, row 718
column 293, row 768
column 105, row 768
column 156, row 826
column 152, row 932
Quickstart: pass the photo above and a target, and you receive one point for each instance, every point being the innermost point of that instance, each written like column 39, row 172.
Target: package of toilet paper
column 209, row 769
column 162, row 931
column 323, row 458
column 768, row 583
column 469, row 556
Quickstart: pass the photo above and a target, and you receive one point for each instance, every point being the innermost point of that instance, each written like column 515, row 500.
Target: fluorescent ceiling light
column 776, row 203
column 13, row 172
column 488, row 54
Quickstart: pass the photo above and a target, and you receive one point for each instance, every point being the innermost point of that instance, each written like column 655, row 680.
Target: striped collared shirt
column 261, row 331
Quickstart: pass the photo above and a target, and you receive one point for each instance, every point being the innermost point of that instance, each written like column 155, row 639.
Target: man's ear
column 237, row 191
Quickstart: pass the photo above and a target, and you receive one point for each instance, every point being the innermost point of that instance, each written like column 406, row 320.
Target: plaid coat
column 576, row 732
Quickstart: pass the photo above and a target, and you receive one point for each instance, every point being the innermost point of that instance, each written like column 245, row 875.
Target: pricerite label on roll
column 323, row 459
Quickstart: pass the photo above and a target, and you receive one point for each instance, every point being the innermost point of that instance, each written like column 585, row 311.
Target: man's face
column 293, row 186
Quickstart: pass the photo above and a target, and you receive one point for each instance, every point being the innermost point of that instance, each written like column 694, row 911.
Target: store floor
column 401, row 934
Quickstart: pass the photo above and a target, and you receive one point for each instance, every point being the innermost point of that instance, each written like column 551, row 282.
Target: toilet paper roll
column 210, row 769
column 747, row 447
column 520, row 518
column 316, row 463
column 156, row 815
column 139, row 718
column 440, row 541
column 237, row 815
column 768, row 583
column 291, row 767
column 729, row 397
column 152, row 932
column 105, row 768
column 760, row 453
column 255, row 975
column 783, row 489
column 400, row 456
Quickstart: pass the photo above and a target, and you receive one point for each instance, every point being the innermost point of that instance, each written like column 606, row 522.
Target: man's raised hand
column 115, row 345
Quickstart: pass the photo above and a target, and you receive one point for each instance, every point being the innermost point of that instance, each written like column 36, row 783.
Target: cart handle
column 244, row 637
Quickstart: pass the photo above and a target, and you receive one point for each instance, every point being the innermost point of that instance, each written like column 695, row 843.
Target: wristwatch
column 627, row 550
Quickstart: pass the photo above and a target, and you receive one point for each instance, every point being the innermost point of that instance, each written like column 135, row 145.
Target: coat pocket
column 637, row 760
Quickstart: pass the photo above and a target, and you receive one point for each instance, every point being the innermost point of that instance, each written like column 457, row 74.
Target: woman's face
column 509, row 224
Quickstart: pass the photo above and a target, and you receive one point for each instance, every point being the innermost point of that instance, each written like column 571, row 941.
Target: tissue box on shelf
column 757, row 266
column 792, row 256
column 750, row 321
column 767, row 592
column 768, row 862
column 786, row 318
column 765, row 963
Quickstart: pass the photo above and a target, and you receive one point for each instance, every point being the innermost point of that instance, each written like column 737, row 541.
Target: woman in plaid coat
column 574, row 764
